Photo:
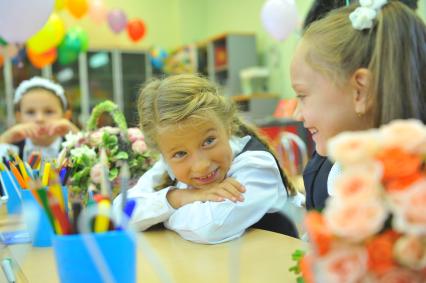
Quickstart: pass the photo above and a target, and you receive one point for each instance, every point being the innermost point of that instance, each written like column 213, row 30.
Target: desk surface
column 258, row 256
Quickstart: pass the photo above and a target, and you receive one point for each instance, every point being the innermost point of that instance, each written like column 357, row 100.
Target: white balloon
column 279, row 18
column 20, row 19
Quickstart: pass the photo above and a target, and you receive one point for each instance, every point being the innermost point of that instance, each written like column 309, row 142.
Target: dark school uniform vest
column 275, row 222
column 315, row 178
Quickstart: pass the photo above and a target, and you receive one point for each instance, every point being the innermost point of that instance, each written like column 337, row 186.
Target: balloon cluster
column 36, row 23
column 157, row 56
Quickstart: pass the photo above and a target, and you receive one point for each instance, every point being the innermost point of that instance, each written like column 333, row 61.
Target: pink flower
column 399, row 275
column 135, row 134
column 409, row 208
column 353, row 147
column 407, row 134
column 96, row 138
column 345, row 264
column 96, row 173
column 139, row 146
column 411, row 252
column 355, row 220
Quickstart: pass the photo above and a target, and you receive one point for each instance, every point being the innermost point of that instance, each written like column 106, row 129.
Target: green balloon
column 66, row 55
column 2, row 42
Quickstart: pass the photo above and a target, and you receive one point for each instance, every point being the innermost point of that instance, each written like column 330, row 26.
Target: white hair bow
column 363, row 16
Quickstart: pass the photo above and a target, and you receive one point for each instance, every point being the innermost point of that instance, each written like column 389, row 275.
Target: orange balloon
column 1, row 61
column 136, row 29
column 43, row 59
column 77, row 8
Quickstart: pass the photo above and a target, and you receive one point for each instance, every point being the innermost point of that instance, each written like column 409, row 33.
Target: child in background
column 350, row 74
column 216, row 177
column 43, row 118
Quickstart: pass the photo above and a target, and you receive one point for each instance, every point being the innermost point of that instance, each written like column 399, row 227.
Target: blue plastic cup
column 37, row 221
column 96, row 257
column 11, row 185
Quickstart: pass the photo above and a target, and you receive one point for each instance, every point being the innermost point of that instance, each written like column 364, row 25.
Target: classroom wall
column 173, row 23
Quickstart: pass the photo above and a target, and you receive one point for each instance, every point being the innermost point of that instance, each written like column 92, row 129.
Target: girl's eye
column 30, row 112
column 209, row 141
column 179, row 154
column 49, row 112
column 300, row 96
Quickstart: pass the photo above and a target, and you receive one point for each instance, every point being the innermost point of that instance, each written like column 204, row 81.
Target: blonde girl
column 216, row 177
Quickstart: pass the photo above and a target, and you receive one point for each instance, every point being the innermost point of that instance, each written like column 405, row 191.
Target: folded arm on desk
column 212, row 222
column 216, row 222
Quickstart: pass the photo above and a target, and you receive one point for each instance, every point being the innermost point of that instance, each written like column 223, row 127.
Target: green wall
column 173, row 23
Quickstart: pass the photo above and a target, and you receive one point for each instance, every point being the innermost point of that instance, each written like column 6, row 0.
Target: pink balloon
column 20, row 19
column 279, row 18
column 117, row 20
column 97, row 11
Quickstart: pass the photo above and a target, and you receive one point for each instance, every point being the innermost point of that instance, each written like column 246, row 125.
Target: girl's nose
column 201, row 164
column 39, row 117
column 297, row 113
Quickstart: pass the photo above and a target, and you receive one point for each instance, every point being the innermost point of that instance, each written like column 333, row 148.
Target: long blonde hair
column 168, row 101
column 393, row 50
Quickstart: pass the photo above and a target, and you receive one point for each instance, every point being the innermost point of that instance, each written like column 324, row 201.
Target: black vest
column 275, row 222
column 315, row 178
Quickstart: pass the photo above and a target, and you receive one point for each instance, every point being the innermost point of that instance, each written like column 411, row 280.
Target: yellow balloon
column 49, row 36
column 59, row 4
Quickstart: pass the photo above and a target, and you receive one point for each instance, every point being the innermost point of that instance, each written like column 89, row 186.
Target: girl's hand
column 228, row 189
column 19, row 132
column 60, row 128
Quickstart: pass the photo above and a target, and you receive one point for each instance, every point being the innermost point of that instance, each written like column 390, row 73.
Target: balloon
column 19, row 19
column 279, row 18
column 2, row 42
column 79, row 39
column 157, row 56
column 43, row 59
column 66, row 55
column 136, row 29
column 1, row 61
column 97, row 11
column 117, row 20
column 49, row 36
column 77, row 8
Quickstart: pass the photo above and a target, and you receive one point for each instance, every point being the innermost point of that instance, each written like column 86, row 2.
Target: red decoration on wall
column 136, row 29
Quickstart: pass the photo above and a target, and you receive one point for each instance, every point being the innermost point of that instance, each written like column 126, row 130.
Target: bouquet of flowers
column 373, row 228
column 83, row 151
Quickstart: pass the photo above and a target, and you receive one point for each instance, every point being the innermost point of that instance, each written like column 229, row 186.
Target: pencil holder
column 10, row 184
column 37, row 220
column 96, row 257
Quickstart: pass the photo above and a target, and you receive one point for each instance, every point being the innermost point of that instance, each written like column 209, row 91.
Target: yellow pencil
column 102, row 220
column 46, row 173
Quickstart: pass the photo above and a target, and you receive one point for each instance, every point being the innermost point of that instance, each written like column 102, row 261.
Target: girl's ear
column 360, row 82
column 68, row 115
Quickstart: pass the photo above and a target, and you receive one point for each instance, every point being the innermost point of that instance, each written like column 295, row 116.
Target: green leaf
column 122, row 155
column 113, row 173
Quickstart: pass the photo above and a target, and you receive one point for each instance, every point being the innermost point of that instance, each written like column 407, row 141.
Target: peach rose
column 410, row 251
column 96, row 173
column 139, row 146
column 380, row 252
column 407, row 134
column 345, row 264
column 409, row 208
column 353, row 147
column 355, row 220
column 359, row 183
column 318, row 232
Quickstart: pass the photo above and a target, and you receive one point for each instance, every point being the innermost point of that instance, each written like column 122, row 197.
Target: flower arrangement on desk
column 121, row 144
column 373, row 229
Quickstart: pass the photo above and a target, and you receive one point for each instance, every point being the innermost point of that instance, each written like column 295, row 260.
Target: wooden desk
column 259, row 256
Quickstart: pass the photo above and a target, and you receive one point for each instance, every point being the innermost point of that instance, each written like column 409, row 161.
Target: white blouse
column 212, row 222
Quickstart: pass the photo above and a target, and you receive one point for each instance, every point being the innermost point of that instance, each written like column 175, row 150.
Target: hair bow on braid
column 363, row 16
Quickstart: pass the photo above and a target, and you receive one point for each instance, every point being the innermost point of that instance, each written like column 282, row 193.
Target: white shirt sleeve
column 216, row 222
column 152, row 206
